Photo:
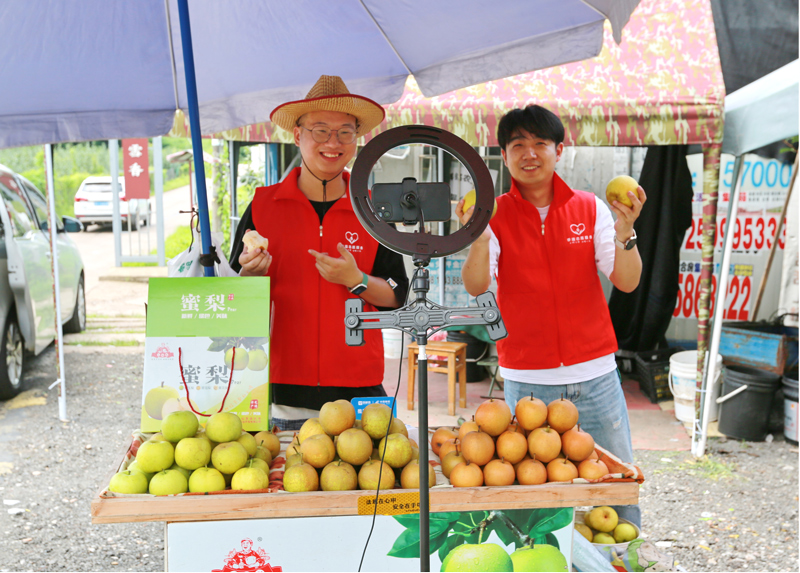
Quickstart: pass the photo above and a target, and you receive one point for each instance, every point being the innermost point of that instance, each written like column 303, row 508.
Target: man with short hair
column 319, row 256
column 545, row 247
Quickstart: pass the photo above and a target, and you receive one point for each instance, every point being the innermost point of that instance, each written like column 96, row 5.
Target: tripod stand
column 416, row 319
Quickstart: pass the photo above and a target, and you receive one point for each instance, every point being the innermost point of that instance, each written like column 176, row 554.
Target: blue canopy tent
column 110, row 69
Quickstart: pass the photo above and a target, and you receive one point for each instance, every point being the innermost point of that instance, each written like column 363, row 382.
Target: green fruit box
column 207, row 349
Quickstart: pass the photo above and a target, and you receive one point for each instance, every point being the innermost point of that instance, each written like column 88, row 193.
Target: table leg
column 412, row 363
column 462, row 381
column 451, row 385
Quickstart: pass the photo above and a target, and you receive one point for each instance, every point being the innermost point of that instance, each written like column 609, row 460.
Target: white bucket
column 683, row 385
column 393, row 343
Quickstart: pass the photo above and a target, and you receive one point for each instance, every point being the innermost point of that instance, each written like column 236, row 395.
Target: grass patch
column 707, row 467
column 174, row 245
column 99, row 343
column 179, row 181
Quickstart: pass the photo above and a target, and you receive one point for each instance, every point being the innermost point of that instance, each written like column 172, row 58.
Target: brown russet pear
column 440, row 436
column 531, row 413
column 466, row 474
column 302, row 477
column 576, row 444
column 336, row 417
column 450, row 461
column 562, row 415
column 354, row 446
column 515, row 427
column 561, row 469
column 592, row 469
column 318, row 450
column 593, row 456
column 531, row 472
column 338, row 476
column 493, row 417
column 516, row 465
column 478, row 448
column 467, row 427
column 310, row 427
column 269, row 441
column 414, row 451
column 499, row 472
column 368, row 475
column 512, row 446
column 409, row 477
column 453, row 445
column 544, row 444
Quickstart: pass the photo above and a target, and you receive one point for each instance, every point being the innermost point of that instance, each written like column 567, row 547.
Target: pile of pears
column 184, row 457
column 336, row 452
column 539, row 443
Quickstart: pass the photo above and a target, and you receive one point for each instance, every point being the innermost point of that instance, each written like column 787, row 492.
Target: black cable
column 383, row 455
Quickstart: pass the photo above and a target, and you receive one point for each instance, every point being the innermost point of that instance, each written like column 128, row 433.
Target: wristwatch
column 362, row 286
column 627, row 245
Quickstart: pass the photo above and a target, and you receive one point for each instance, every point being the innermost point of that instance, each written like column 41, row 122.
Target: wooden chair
column 454, row 364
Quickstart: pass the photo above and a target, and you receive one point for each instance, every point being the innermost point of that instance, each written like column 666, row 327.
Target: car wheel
column 12, row 352
column 78, row 321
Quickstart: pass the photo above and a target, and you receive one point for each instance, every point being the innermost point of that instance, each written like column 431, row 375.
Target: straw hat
column 330, row 94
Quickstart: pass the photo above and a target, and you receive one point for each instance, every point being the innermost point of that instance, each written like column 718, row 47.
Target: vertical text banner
column 136, row 164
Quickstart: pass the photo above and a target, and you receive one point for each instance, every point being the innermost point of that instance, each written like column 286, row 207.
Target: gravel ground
column 736, row 510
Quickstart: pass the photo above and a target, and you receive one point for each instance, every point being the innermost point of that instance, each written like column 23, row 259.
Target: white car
column 27, row 309
column 93, row 204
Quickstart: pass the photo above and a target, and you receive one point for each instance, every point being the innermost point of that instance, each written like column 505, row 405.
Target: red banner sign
column 136, row 164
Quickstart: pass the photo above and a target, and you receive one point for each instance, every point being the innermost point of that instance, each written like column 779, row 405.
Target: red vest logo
column 351, row 237
column 247, row 560
column 578, row 229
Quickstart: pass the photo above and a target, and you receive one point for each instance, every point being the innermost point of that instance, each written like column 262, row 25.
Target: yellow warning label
column 389, row 503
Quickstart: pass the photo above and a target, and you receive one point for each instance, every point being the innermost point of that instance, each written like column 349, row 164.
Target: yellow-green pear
column 128, row 481
column 192, row 453
column 154, row 457
column 168, row 482
column 206, row 479
column 249, row 443
column 223, row 427
column 229, row 457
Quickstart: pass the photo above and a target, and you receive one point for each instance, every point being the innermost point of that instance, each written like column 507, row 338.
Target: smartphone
column 390, row 201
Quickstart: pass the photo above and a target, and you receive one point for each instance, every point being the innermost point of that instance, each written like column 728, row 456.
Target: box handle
column 186, row 386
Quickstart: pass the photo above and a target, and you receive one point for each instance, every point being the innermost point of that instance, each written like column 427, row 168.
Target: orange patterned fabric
column 662, row 85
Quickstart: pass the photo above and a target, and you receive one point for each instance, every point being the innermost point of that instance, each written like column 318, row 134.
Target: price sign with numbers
column 737, row 299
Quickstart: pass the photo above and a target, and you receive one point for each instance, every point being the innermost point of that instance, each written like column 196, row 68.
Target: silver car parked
column 27, row 309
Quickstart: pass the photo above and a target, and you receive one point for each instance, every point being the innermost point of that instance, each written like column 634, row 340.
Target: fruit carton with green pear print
column 207, row 350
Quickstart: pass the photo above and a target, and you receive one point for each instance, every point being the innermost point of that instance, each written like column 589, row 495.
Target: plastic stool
column 493, row 366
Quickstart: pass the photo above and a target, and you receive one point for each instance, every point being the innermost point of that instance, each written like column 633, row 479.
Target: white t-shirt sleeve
column 494, row 253
column 604, row 248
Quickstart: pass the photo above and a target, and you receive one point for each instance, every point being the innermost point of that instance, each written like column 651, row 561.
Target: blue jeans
column 603, row 413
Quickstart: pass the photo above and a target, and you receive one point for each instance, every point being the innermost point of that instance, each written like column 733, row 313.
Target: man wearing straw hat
column 318, row 256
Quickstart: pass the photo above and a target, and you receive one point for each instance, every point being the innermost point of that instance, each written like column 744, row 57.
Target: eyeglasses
column 323, row 134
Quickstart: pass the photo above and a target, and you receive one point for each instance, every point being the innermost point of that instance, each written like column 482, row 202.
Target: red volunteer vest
column 308, row 337
column 549, row 292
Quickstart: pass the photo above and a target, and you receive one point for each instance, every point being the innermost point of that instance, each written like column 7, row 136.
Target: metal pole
column 194, row 126
column 443, row 261
column 51, row 205
column 113, row 153
column 232, row 176
column 699, row 437
column 158, row 165
column 424, row 500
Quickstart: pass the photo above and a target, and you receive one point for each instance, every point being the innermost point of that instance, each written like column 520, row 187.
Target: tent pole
column 51, row 207
column 194, row 126
column 711, row 158
column 158, row 166
column 762, row 285
column 116, row 223
column 699, row 437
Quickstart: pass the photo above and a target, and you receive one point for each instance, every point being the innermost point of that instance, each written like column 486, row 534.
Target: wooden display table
column 271, row 531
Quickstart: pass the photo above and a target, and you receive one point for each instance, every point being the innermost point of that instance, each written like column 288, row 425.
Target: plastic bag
column 187, row 263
